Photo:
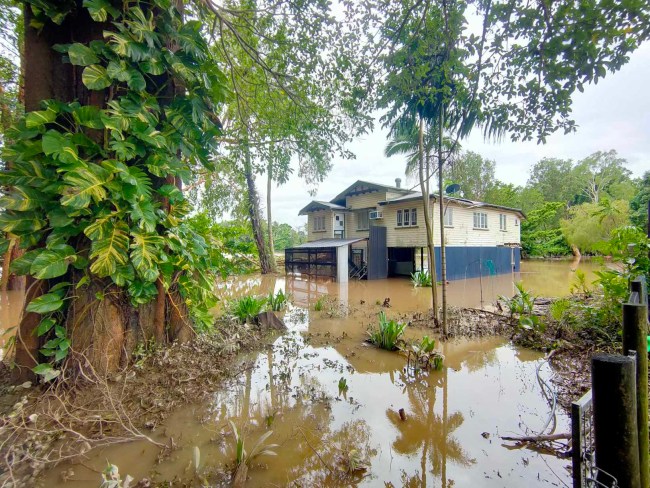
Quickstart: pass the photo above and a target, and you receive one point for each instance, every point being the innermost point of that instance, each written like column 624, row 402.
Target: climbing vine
column 94, row 190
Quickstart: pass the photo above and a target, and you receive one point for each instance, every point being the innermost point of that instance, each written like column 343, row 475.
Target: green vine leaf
column 50, row 302
column 144, row 254
column 95, row 77
column 38, row 118
column 51, row 264
column 60, row 147
column 81, row 55
column 111, row 251
column 46, row 371
column 85, row 184
column 99, row 10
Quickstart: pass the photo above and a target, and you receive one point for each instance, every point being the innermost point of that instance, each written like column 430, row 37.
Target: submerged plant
column 111, row 478
column 579, row 286
column 278, row 301
column 320, row 304
column 247, row 308
column 243, row 457
column 422, row 355
column 388, row 334
column 421, row 278
column 343, row 386
column 521, row 306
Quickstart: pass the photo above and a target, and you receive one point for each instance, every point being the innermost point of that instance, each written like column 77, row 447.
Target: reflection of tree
column 481, row 360
column 426, row 431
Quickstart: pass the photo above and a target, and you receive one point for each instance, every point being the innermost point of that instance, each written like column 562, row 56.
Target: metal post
column 615, row 419
column 635, row 332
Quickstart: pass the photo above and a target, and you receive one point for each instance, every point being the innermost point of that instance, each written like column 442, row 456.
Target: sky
column 614, row 114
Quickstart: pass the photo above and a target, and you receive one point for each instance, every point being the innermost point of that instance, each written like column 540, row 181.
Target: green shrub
column 388, row 334
column 278, row 301
column 521, row 305
column 421, row 278
column 422, row 355
column 247, row 308
column 579, row 286
column 320, row 304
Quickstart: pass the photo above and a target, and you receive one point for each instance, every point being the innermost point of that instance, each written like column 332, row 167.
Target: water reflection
column 291, row 387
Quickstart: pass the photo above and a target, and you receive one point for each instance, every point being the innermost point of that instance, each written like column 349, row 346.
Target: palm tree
column 409, row 139
column 422, row 146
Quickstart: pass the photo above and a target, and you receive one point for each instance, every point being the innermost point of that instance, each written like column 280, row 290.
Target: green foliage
column 320, row 304
column 89, row 184
column 559, row 308
column 421, row 278
column 278, row 301
column 639, row 203
column 540, row 233
column 260, row 448
column 580, row 285
column 387, row 336
column 521, row 307
column 422, row 355
column 589, row 225
column 343, row 386
column 285, row 236
column 230, row 246
column 247, row 308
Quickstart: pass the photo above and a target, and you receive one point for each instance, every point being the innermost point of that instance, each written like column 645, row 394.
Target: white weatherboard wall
column 342, row 264
column 460, row 233
column 314, row 235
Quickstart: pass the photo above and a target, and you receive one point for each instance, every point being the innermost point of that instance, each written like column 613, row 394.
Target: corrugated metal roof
column 318, row 205
column 462, row 201
column 329, row 243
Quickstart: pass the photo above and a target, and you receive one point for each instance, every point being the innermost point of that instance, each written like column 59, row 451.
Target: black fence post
column 615, row 419
column 635, row 332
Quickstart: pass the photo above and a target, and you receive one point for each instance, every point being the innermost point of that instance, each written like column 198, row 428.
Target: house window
column 319, row 223
column 480, row 220
column 516, row 222
column 449, row 217
column 407, row 217
column 362, row 220
column 502, row 222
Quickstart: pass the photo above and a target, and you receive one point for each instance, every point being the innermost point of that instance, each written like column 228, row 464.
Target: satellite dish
column 455, row 188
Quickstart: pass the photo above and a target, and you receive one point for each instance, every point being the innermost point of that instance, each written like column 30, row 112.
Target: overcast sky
column 615, row 114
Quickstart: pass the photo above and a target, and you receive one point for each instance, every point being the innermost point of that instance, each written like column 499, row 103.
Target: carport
column 329, row 258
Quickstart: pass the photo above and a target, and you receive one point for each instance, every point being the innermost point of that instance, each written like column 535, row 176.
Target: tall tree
column 474, row 174
column 121, row 102
column 280, row 61
column 599, row 172
column 639, row 203
column 515, row 74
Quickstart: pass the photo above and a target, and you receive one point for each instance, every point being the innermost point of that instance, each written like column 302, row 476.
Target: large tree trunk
column 102, row 332
column 254, row 214
column 269, row 218
column 424, row 188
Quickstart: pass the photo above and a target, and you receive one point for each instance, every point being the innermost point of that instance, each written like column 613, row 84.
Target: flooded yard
column 329, row 435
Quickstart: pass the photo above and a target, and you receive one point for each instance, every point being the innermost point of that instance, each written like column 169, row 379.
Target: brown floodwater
column 453, row 418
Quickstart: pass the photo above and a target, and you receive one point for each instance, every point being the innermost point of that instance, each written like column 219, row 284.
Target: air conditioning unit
column 374, row 215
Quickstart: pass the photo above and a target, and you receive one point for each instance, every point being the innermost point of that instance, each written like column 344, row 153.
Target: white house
column 384, row 228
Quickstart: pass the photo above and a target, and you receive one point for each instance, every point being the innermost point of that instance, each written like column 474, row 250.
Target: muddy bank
column 40, row 426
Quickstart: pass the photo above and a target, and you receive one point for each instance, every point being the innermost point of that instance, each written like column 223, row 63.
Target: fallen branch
column 537, row 438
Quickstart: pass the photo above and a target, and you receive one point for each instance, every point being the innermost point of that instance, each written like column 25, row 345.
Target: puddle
column 454, row 417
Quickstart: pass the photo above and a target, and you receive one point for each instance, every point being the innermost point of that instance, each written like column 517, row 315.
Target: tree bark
column 424, row 188
column 269, row 218
column 254, row 213
column 27, row 343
